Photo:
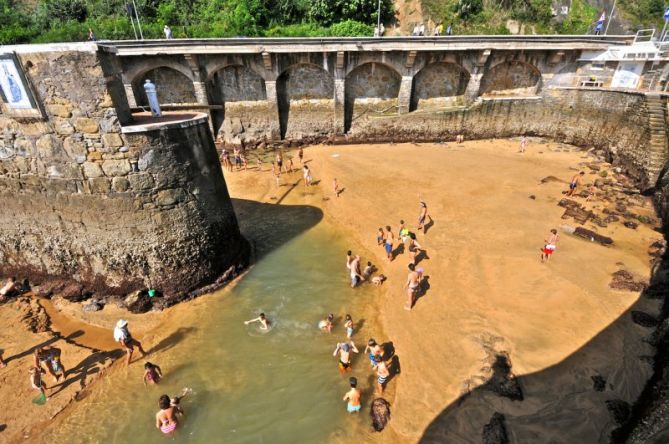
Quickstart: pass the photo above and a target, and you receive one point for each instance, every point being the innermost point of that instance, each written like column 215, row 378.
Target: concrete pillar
column 472, row 91
column 270, row 91
column 339, row 110
column 404, row 96
column 132, row 102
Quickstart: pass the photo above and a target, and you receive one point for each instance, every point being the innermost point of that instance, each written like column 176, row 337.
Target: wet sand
column 488, row 290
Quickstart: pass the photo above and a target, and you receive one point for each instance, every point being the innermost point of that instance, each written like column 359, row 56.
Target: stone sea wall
column 101, row 210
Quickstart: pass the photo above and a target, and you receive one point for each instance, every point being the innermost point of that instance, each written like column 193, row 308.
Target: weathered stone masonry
column 113, row 208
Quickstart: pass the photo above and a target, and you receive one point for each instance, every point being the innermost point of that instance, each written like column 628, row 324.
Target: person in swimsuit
column 369, row 269
column 353, row 396
column 166, row 420
column 152, row 373
column 36, row 379
column 575, row 181
column 344, row 349
column 412, row 285
column 550, row 246
column 238, row 158
column 348, row 323
column 388, row 244
column 300, row 154
column 225, row 158
column 379, row 236
column 382, row 373
column 264, row 322
column 326, row 324
column 349, row 259
column 523, row 144
column 279, row 161
column 289, row 167
column 354, row 268
column 403, row 232
column 307, row 175
column 422, row 215
column 49, row 357
column 122, row 335
column 374, row 350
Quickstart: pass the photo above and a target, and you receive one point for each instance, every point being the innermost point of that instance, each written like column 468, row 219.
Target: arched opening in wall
column 234, row 83
column 513, row 78
column 303, row 84
column 438, row 84
column 369, row 86
column 173, row 87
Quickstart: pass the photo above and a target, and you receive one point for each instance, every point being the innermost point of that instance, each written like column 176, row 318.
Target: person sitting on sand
column 374, row 350
column 344, row 349
column 550, row 245
column 382, row 373
column 378, row 280
column 122, row 335
column 412, row 285
column 152, row 373
column 353, row 396
column 264, row 322
column 166, row 420
column 369, row 269
column 50, row 358
column 36, row 380
column 8, row 289
column 575, row 181
column 348, row 324
column 326, row 324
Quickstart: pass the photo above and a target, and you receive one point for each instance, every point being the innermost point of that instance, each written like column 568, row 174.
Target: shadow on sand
column 267, row 226
column 550, row 405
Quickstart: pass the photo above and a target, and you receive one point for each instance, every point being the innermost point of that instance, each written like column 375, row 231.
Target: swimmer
column 378, row 280
column 353, row 396
column 349, row 258
column 379, row 236
column 550, row 246
column 575, row 181
column 176, row 402
column 264, row 322
column 348, row 323
column 166, row 420
column 369, row 269
column 344, row 349
column 412, row 285
column 382, row 373
column 152, row 373
column 326, row 324
column 374, row 350
column 36, row 380
column 388, row 245
column 122, row 335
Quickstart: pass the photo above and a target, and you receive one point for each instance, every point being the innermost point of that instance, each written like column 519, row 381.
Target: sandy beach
column 559, row 324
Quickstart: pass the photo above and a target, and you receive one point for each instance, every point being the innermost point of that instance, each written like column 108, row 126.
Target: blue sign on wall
column 666, row 13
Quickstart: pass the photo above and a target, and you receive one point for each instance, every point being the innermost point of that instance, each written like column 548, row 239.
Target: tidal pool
column 282, row 386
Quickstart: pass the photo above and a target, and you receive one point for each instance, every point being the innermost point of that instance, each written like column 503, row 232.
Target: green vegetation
column 24, row 21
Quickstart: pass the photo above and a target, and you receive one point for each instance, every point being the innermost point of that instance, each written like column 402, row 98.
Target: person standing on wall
column 438, row 30
column 168, row 32
column 449, row 30
column 599, row 26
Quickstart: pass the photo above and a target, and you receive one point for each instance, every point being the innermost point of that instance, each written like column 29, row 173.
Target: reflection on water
column 249, row 386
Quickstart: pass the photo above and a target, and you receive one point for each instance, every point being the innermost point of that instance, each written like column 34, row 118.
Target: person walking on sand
column 353, row 396
column 36, row 380
column 523, row 145
column 348, row 324
column 307, row 175
column 379, row 236
column 279, row 161
column 290, row 165
column 388, row 244
column 374, row 350
column 550, row 246
column 344, row 349
column 152, row 373
column 264, row 322
column 382, row 373
column 123, row 336
column 575, row 181
column 50, row 358
column 412, row 285
column 422, row 215
column 166, row 420
column 300, row 154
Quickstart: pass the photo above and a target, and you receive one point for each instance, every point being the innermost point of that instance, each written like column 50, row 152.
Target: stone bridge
column 270, row 89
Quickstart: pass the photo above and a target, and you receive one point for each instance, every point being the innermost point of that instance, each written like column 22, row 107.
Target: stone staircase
column 658, row 155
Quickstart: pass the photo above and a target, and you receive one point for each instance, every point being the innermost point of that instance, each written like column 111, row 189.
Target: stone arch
column 440, row 82
column 173, row 86
column 369, row 81
column 303, row 82
column 511, row 78
column 235, row 83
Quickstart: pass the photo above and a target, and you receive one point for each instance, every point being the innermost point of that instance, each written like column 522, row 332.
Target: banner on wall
column 627, row 75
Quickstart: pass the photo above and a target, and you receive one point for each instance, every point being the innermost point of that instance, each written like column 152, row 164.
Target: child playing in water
column 152, row 373
column 344, row 349
column 378, row 280
column 326, row 324
column 36, row 380
column 353, row 396
column 264, row 322
column 349, row 326
column 374, row 350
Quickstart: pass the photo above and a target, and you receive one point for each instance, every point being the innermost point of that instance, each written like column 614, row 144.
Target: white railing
column 644, row 35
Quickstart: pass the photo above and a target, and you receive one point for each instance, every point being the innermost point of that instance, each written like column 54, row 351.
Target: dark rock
column 92, row 306
column 594, row 166
column 624, row 280
column 659, row 336
column 592, row 236
column 620, row 207
column 533, row 197
column 503, row 381
column 619, row 410
column 643, row 319
column 552, row 179
column 73, row 292
column 495, row 431
column 611, row 218
column 630, row 224
column 598, row 383
column 380, row 413
column 138, row 302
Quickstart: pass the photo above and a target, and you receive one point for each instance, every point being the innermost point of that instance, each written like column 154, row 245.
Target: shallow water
column 248, row 386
